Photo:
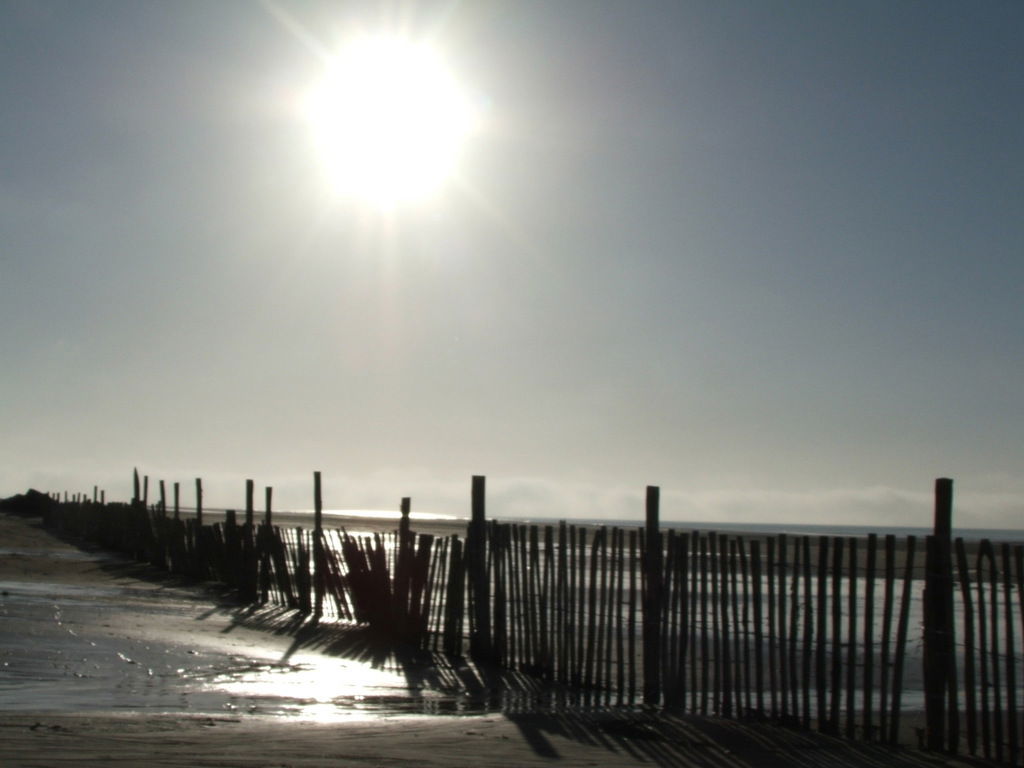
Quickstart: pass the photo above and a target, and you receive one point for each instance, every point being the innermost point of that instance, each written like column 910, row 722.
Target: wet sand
column 104, row 663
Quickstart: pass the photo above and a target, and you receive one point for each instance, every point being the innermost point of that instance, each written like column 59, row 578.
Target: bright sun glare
column 388, row 120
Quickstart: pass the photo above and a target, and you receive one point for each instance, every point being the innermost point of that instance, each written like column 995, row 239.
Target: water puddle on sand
column 75, row 648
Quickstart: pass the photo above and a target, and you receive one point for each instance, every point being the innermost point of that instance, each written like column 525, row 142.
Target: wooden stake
column 738, row 638
column 869, row 624
column 984, row 551
column 318, row 555
column 748, row 681
column 794, row 633
column 724, row 647
column 997, row 697
column 755, row 576
column 901, row 641
column 199, row 502
column 837, row 634
column 885, row 659
column 631, row 630
column 783, row 634
column 561, row 613
column 652, row 602
column 820, row 667
column 851, row 642
column 1011, row 671
column 938, row 619
column 620, row 679
column 808, row 644
column 480, row 642
column 773, row 634
column 716, row 630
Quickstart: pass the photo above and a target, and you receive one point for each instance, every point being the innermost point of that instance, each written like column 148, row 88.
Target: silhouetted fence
column 826, row 632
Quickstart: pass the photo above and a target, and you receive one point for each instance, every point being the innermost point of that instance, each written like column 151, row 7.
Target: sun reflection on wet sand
column 75, row 647
column 313, row 687
column 130, row 646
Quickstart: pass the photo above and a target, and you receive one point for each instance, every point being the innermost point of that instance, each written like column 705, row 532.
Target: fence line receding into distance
column 837, row 633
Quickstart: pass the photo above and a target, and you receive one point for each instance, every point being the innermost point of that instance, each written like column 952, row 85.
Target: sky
column 768, row 256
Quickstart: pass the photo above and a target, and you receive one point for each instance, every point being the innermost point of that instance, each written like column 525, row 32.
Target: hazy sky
column 766, row 255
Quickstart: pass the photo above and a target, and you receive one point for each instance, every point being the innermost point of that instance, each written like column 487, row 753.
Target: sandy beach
column 107, row 663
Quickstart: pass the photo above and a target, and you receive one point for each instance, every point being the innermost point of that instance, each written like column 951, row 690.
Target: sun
column 388, row 121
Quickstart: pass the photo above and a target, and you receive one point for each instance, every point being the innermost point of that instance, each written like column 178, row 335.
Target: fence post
column 480, row 641
column 249, row 508
column 249, row 569
column 939, row 661
column 199, row 502
column 403, row 567
column 318, row 551
column 136, row 529
column 198, row 548
column 652, row 599
column 263, row 546
column 403, row 522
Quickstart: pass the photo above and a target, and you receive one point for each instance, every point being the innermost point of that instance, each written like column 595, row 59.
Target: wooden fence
column 849, row 635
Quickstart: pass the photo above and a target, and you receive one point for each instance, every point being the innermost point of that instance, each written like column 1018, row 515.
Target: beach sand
column 107, row 663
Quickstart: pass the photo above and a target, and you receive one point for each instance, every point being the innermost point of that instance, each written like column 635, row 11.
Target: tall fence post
column 939, row 661
column 249, row 508
column 248, row 576
column 198, row 548
column 137, row 512
column 480, row 645
column 403, row 566
column 263, row 545
column 652, row 599
column 319, row 581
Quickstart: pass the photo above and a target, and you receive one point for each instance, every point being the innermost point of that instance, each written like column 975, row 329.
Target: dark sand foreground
column 48, row 729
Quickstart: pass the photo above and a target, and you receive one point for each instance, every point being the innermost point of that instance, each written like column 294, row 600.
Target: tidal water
column 351, row 518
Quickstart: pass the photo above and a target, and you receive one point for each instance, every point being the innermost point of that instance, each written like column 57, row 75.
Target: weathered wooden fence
column 847, row 635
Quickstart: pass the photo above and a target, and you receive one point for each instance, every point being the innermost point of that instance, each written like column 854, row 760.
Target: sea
column 377, row 518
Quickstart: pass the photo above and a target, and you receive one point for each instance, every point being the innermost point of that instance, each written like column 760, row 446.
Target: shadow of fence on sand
column 546, row 714
column 688, row 741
